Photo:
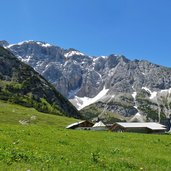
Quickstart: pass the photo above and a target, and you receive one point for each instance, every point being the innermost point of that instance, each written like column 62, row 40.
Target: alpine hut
column 82, row 125
column 139, row 127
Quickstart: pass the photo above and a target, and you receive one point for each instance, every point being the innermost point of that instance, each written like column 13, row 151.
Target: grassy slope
column 45, row 145
column 13, row 113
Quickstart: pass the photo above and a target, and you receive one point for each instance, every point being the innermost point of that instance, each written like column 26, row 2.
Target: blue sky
column 138, row 29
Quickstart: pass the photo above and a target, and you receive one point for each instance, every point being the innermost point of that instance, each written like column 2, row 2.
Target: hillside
column 14, row 114
column 98, row 111
column 20, row 84
column 44, row 144
column 123, row 87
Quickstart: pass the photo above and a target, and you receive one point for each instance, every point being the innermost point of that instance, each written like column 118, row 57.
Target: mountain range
column 106, row 87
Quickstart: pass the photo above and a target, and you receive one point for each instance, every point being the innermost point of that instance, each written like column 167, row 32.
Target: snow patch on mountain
column 20, row 43
column 95, row 58
column 24, row 42
column 153, row 93
column 72, row 53
column 99, row 75
column 165, row 91
column 86, row 101
column 134, row 94
column 27, row 59
column 104, row 57
column 44, row 44
column 9, row 46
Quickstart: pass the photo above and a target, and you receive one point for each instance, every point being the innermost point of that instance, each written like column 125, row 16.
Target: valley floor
column 44, row 144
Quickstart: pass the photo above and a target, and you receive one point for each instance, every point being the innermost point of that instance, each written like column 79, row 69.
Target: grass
column 44, row 144
column 13, row 113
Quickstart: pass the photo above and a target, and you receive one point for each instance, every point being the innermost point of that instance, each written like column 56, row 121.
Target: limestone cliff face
column 130, row 87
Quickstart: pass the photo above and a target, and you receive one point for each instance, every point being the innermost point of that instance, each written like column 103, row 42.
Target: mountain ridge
column 81, row 78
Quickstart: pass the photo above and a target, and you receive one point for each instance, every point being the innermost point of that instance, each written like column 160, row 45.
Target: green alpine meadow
column 33, row 141
column 85, row 85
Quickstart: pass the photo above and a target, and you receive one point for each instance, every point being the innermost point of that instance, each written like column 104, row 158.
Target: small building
column 99, row 126
column 82, row 125
column 145, row 127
